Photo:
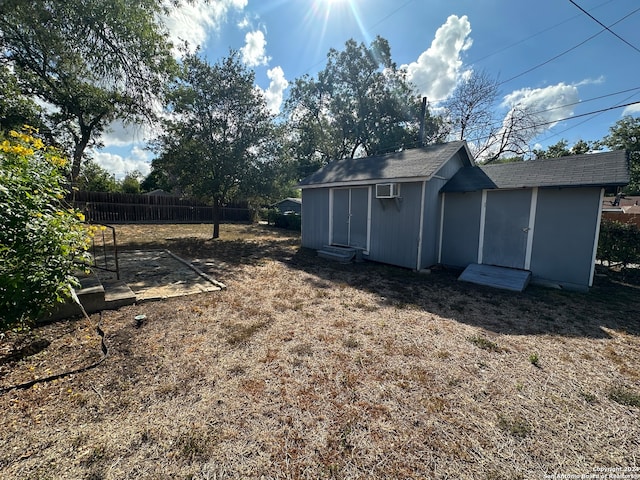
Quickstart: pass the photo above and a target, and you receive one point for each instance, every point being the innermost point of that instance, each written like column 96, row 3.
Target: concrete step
column 338, row 254
column 91, row 296
column 95, row 296
column 498, row 277
column 117, row 294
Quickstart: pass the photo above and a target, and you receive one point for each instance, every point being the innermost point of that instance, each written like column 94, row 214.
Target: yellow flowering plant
column 42, row 240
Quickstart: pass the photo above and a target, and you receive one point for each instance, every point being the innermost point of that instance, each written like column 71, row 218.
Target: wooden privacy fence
column 102, row 207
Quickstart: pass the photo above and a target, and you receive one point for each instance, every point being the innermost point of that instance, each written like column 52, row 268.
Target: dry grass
column 308, row 369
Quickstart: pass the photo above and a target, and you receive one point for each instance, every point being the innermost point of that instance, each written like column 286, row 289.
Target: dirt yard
column 306, row 369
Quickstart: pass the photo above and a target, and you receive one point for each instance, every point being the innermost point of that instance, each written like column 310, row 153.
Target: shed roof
column 597, row 170
column 415, row 163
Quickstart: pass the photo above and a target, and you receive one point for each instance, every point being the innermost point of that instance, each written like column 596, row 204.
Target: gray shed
column 386, row 206
column 541, row 216
column 432, row 205
column 290, row 204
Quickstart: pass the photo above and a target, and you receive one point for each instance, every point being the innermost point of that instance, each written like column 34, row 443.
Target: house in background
column 289, row 205
column 433, row 205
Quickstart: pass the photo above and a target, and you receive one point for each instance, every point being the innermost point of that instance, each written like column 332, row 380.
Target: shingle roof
column 596, row 169
column 413, row 163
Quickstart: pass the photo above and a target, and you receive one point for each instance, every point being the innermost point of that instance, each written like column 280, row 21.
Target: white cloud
column 631, row 110
column 253, row 53
column 193, row 21
column 550, row 104
column 438, row 69
column 119, row 134
column 138, row 159
column 275, row 92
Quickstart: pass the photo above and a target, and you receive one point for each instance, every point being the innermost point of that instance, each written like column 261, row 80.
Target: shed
column 542, row 216
column 289, row 204
column 385, row 206
column 433, row 205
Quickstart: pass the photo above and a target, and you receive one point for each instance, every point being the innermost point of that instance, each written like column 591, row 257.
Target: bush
column 41, row 239
column 289, row 221
column 619, row 243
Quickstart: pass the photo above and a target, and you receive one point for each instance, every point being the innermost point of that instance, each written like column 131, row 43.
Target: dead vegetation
column 308, row 369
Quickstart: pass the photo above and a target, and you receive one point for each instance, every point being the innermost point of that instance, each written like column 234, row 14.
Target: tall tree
column 360, row 104
column 16, row 110
column 217, row 139
column 625, row 135
column 472, row 116
column 92, row 60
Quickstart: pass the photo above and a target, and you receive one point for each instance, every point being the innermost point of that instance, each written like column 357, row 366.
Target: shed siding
column 461, row 228
column 565, row 230
column 432, row 209
column 315, row 217
column 394, row 227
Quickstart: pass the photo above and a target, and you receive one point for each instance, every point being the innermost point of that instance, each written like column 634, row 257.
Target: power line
column 580, row 123
column 535, row 34
column 566, row 51
column 580, row 102
column 542, row 124
column 603, row 25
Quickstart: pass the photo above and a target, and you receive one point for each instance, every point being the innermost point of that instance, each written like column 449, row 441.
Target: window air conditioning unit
column 387, row 190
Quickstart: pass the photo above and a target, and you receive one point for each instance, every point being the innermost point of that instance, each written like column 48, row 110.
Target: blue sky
column 438, row 42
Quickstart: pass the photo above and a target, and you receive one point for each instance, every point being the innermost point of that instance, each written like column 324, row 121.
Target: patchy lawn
column 308, row 369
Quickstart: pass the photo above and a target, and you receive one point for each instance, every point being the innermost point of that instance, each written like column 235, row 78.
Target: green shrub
column 41, row 239
column 619, row 243
column 289, row 221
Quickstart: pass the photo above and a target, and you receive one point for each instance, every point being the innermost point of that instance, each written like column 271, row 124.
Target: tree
column 217, row 140
column 94, row 178
column 92, row 60
column 360, row 104
column 561, row 149
column 16, row 110
column 625, row 135
column 472, row 116
column 131, row 182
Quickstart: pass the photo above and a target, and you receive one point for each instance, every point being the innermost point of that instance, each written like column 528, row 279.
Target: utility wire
column 580, row 123
column 515, row 44
column 567, row 51
column 603, row 25
column 542, row 124
column 580, row 102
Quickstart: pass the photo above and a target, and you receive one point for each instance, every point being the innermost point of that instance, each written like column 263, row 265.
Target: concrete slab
column 159, row 274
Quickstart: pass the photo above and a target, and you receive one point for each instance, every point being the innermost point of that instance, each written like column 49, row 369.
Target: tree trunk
column 216, row 218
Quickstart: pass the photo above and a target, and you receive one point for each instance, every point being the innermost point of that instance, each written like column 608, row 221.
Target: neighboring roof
column 289, row 199
column 606, row 169
column 416, row 163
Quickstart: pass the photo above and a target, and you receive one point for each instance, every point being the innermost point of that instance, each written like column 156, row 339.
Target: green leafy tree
column 16, row 110
column 94, row 178
column 561, row 149
column 360, row 104
column 92, row 60
column 131, row 182
column 218, row 140
column 625, row 135
column 157, row 179
column 41, row 239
